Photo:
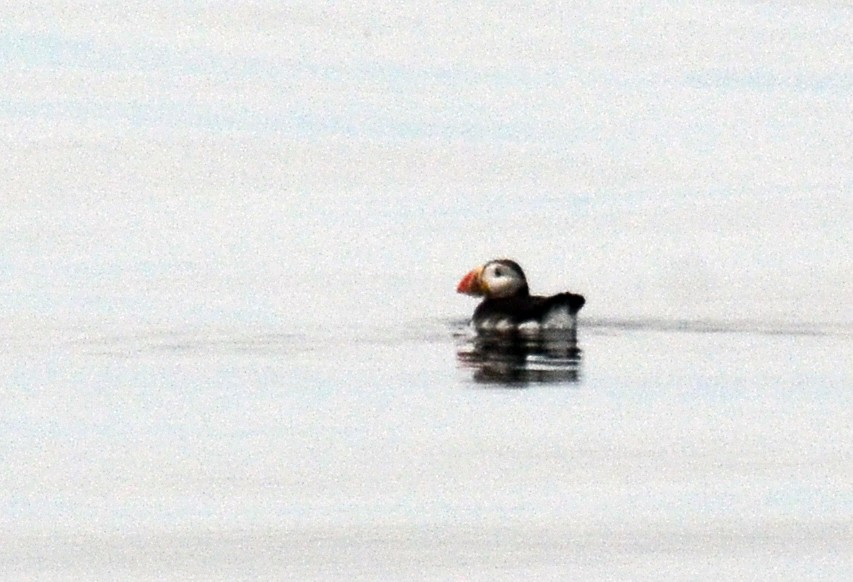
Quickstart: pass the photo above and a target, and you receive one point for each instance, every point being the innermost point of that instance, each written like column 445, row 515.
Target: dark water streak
column 514, row 360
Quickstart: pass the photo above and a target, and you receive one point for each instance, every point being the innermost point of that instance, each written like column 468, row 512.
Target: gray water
column 231, row 346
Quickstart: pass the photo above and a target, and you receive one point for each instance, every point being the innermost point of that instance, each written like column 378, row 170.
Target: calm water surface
column 636, row 450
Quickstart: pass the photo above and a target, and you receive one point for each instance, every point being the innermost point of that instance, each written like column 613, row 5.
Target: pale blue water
column 258, row 452
column 230, row 342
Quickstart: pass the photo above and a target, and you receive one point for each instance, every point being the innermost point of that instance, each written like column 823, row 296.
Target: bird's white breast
column 560, row 318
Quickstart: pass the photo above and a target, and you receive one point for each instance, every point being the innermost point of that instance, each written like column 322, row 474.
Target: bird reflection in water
column 517, row 360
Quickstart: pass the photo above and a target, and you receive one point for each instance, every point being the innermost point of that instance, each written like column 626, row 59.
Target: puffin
column 508, row 304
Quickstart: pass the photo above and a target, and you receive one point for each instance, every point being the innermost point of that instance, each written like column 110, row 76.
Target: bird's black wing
column 572, row 301
column 518, row 310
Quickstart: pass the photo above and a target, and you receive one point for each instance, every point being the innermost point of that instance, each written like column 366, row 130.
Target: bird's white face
column 501, row 280
column 494, row 279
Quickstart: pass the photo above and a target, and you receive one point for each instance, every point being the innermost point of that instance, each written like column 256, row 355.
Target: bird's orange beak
column 471, row 284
